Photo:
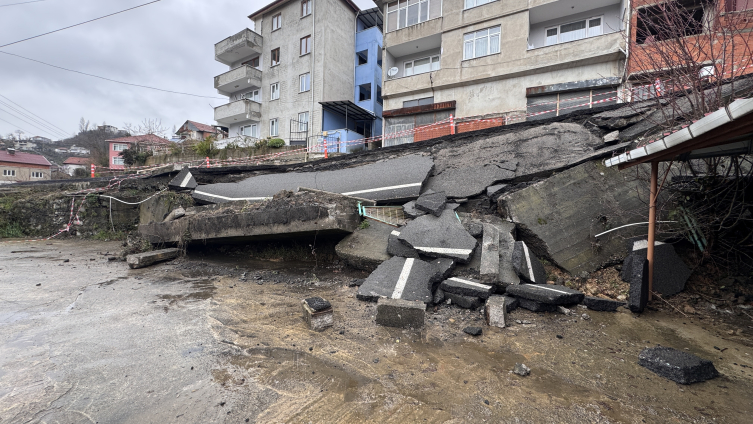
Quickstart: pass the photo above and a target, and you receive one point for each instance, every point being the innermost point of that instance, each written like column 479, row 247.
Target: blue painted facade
column 369, row 40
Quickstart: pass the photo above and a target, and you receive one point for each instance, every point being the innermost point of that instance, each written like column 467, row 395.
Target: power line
column 16, row 4
column 30, row 123
column 15, row 126
column 82, row 23
column 112, row 80
column 51, row 125
column 35, row 120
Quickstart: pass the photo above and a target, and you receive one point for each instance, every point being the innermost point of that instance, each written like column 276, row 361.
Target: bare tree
column 83, row 125
column 147, row 126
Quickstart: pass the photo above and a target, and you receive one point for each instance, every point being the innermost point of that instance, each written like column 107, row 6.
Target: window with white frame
column 305, row 45
column 9, row 172
column 250, row 130
column 305, row 8
column 572, row 31
column 273, row 127
column 303, row 121
column 117, row 160
column 274, row 91
column 276, row 21
column 404, row 13
column 473, row 3
column 419, row 66
column 251, row 95
column 275, row 56
column 36, row 174
column 481, row 43
column 304, row 82
column 119, row 147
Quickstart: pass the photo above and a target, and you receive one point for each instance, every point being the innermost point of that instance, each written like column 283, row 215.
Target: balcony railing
column 238, row 111
column 238, row 79
column 243, row 44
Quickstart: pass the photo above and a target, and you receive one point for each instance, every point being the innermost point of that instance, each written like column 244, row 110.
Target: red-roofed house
column 192, row 130
column 72, row 164
column 21, row 166
column 151, row 142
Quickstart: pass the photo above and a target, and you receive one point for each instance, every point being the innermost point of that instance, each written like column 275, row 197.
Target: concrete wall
column 612, row 23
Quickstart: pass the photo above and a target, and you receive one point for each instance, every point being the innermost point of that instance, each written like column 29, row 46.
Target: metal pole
column 652, row 225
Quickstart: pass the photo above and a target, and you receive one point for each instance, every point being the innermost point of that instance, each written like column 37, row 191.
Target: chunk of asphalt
column 473, row 331
column 317, row 304
column 511, row 303
column 438, row 297
column 396, row 247
column 546, row 293
column 467, row 302
column 400, row 313
column 491, row 191
column 466, row 287
column 411, row 211
column 676, row 365
column 451, row 206
column 442, row 237
column 535, row 306
column 527, row 265
column 399, row 278
column 635, row 272
column 445, row 266
column 184, row 181
column 490, row 252
column 670, row 272
column 474, row 228
column 495, row 311
column 601, row 304
column 317, row 313
column 432, row 203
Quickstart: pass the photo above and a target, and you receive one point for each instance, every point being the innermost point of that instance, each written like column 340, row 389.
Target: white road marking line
column 470, row 283
column 230, row 198
column 400, row 286
column 371, row 190
column 445, row 250
column 549, row 288
column 184, row 183
column 396, row 233
column 528, row 261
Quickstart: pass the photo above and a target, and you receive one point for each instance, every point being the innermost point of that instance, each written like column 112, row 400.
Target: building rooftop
column 24, row 158
column 276, row 3
column 77, row 161
column 198, row 126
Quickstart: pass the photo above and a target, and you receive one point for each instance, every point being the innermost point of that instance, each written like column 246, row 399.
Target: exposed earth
column 213, row 339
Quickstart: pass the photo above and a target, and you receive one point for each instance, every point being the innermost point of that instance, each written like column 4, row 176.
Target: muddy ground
column 88, row 340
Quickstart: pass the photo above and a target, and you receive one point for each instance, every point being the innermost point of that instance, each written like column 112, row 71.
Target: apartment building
column 300, row 54
column 506, row 59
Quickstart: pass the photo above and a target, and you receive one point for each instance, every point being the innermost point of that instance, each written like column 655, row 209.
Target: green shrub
column 276, row 143
column 11, row 230
column 260, row 143
column 205, row 147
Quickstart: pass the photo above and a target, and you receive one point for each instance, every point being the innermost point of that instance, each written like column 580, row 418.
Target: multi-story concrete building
column 503, row 59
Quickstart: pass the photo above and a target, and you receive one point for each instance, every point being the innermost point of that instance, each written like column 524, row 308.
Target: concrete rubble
column 546, row 293
column 366, row 248
column 142, row 260
column 676, row 365
column 396, row 247
column 400, row 278
column 495, row 311
column 317, row 313
column 432, row 202
column 184, row 181
column 400, row 313
column 670, row 272
column 466, row 287
column 528, row 267
column 601, row 304
column 439, row 237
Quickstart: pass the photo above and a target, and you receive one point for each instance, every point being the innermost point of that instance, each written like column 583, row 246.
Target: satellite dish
column 392, row 72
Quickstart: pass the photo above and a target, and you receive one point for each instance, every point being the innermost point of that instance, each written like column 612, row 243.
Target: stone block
column 528, row 267
column 467, row 302
column 433, row 203
column 601, row 304
column 546, row 293
column 676, row 365
column 495, row 311
column 141, row 260
column 317, row 313
column 466, row 287
column 400, row 313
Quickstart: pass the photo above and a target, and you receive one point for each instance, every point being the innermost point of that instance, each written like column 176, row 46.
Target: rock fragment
column 527, row 265
column 601, row 304
column 317, row 313
column 676, row 365
column 400, row 313
column 521, row 370
column 495, row 311
column 473, row 331
column 444, row 266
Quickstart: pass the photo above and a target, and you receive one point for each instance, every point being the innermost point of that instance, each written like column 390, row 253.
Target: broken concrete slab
column 184, row 181
column 601, row 304
column 286, row 214
column 411, row 211
column 141, row 260
column 546, row 293
column 635, row 272
column 492, row 191
column 507, row 275
column 400, row 313
column 527, row 265
column 490, row 252
column 175, row 214
column 466, row 287
column 366, row 248
column 444, row 266
column 317, row 313
column 400, row 278
column 676, row 365
column 388, row 180
column 396, row 247
column 467, row 302
column 432, row 203
column 495, row 311
column 442, row 237
column 560, row 216
column 670, row 272
column 535, row 306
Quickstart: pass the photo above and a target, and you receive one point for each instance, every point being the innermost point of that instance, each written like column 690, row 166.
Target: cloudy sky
column 168, row 45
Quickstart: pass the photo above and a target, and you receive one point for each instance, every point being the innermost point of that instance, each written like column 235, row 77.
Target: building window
column 574, row 31
column 275, row 57
column 303, row 121
column 250, row 131
column 305, row 8
column 273, row 127
column 419, row 102
column 117, row 160
column 253, row 62
column 419, row 66
column 364, row 92
column 362, row 57
column 251, row 95
column 473, row 3
column 481, row 43
column 404, row 13
column 35, row 174
column 274, row 90
column 119, row 147
column 305, row 82
column 652, row 22
column 305, row 45
column 9, row 172
column 276, row 22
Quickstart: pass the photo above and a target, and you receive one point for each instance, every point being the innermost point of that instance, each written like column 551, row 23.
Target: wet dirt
column 227, row 338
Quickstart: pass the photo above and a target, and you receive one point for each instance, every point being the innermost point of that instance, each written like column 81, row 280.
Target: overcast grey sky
column 169, row 45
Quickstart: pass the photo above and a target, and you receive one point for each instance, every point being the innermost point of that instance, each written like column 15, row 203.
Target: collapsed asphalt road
column 197, row 340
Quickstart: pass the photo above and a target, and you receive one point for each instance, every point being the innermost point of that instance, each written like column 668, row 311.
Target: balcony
column 236, row 47
column 238, row 111
column 238, row 79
